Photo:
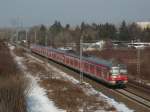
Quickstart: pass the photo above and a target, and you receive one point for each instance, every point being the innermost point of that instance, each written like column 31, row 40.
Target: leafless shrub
column 12, row 83
column 19, row 52
column 12, row 97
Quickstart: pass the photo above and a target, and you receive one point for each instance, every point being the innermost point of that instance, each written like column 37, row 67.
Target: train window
column 115, row 70
column 123, row 69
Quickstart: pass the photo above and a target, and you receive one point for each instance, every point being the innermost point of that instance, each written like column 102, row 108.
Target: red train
column 106, row 71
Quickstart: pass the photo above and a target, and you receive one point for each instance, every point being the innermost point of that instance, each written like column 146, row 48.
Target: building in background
column 143, row 25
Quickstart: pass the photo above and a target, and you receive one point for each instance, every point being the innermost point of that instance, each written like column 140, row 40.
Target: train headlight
column 125, row 81
column 114, row 76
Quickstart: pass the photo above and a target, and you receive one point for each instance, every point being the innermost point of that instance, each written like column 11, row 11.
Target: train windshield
column 115, row 71
column 123, row 69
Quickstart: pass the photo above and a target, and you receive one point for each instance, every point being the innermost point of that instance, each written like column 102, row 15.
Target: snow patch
column 37, row 99
column 11, row 47
column 148, row 84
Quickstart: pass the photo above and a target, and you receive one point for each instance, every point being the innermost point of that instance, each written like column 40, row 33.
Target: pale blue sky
column 33, row 12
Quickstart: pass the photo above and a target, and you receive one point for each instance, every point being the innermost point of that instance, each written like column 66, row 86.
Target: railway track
column 140, row 86
column 134, row 97
column 128, row 94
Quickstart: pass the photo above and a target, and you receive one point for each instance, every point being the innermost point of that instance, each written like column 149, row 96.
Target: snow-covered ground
column 38, row 101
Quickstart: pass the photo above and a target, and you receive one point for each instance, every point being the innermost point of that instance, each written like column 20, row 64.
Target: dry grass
column 12, row 83
column 71, row 97
column 19, row 52
column 12, row 98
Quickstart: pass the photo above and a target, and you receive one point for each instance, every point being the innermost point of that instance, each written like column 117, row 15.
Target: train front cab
column 118, row 76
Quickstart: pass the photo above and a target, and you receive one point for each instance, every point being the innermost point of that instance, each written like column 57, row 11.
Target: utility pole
column 35, row 35
column 81, row 67
column 46, row 40
column 46, row 45
column 17, row 36
column 17, row 29
column 26, row 37
column 138, row 62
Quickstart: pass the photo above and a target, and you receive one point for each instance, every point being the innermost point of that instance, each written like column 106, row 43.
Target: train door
column 62, row 58
column 67, row 60
column 49, row 54
column 57, row 57
column 86, row 67
column 92, row 69
column 41, row 51
column 78, row 61
column 105, row 73
column 53, row 55
column 46, row 52
column 102, row 72
column 98, row 71
column 75, row 63
column 71, row 61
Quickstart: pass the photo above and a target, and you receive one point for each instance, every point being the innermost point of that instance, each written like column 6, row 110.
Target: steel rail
column 134, row 97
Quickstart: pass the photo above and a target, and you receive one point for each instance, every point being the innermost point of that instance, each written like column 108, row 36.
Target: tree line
column 58, row 35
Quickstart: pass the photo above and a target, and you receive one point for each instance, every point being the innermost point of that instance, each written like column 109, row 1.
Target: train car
column 106, row 71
